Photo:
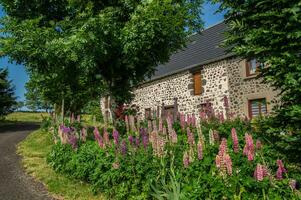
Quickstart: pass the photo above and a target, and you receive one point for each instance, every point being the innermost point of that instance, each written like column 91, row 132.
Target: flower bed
column 166, row 159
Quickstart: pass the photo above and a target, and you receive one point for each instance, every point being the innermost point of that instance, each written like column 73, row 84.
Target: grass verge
column 25, row 117
column 34, row 150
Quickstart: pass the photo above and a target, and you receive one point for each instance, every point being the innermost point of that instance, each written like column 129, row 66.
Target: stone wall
column 180, row 86
column 243, row 88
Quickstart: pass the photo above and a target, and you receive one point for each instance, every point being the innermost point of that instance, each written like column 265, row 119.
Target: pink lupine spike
column 200, row 150
column 235, row 140
column 186, row 159
column 258, row 174
column 258, row 145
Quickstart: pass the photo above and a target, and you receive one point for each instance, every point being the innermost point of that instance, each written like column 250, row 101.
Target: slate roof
column 203, row 48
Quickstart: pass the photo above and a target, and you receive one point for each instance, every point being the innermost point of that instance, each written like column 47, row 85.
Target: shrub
column 217, row 160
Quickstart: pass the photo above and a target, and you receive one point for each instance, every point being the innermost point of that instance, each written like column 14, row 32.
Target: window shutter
column 197, row 83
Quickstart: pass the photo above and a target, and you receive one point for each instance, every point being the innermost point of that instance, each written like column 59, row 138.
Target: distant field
column 25, row 117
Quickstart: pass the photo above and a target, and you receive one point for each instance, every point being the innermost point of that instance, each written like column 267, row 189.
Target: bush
column 193, row 164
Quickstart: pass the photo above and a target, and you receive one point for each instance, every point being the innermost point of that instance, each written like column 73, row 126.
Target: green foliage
column 139, row 174
column 270, row 31
column 7, row 96
column 115, row 44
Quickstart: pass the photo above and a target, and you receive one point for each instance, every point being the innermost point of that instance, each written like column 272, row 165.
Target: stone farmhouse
column 201, row 73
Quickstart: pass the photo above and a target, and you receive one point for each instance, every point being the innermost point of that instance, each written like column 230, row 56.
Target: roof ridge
column 209, row 27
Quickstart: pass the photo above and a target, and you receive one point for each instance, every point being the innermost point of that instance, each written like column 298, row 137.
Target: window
column 257, row 107
column 252, row 67
column 197, row 83
column 148, row 113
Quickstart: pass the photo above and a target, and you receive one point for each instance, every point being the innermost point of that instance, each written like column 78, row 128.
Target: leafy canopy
column 270, row 31
column 119, row 41
column 7, row 96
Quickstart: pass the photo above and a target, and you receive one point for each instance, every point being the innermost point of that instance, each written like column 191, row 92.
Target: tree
column 270, row 31
column 7, row 98
column 117, row 42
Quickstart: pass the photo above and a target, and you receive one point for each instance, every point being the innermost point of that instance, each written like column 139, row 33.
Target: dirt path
column 14, row 183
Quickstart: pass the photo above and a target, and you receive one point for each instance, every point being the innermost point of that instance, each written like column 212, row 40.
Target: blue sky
column 18, row 74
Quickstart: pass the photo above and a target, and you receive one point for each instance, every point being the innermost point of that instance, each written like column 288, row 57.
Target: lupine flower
column 203, row 116
column 173, row 137
column 144, row 137
column 182, row 121
column 249, row 147
column 73, row 141
column 186, row 159
column 193, row 120
column 228, row 163
column 200, row 150
column 126, row 119
column 160, row 125
column 216, row 136
column 155, row 126
column 123, row 147
column 158, row 144
column 106, row 137
column 137, row 141
column 188, row 120
column 116, row 165
column 83, row 134
column 293, row 184
column 98, row 138
column 116, row 137
column 260, row 172
column 235, row 140
column 78, row 118
column 218, row 161
column 258, row 145
column 221, row 117
column 169, row 124
column 131, row 139
column 149, row 126
column 190, row 138
column 223, row 147
column 132, row 123
column 211, row 137
column 281, row 170
column 164, row 131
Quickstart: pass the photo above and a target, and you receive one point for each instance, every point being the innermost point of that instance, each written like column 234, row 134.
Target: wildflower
column 235, row 140
column 200, row 150
column 106, row 137
column 211, row 137
column 116, row 165
column 221, row 117
column 126, row 119
column 182, row 121
column 131, row 139
column 116, row 137
column 203, row 116
column 123, row 147
column 169, row 124
column 73, row 141
column 132, row 123
column 258, row 145
column 83, row 134
column 218, row 162
column 72, row 118
column 281, row 170
column 78, row 118
column 293, row 184
column 160, row 125
column 149, row 126
column 186, row 159
column 137, row 141
column 228, row 163
column 190, row 138
column 249, row 147
column 223, row 147
column 260, row 172
column 155, row 126
column 173, row 137
column 98, row 138
column 193, row 120
column 216, row 136
column 144, row 139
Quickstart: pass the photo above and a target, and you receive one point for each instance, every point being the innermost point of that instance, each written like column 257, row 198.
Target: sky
column 19, row 76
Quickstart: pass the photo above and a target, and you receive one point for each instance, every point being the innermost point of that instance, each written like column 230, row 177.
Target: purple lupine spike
column 137, row 141
column 73, row 141
column 281, row 170
column 131, row 139
column 116, row 137
column 96, row 133
column 123, row 147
